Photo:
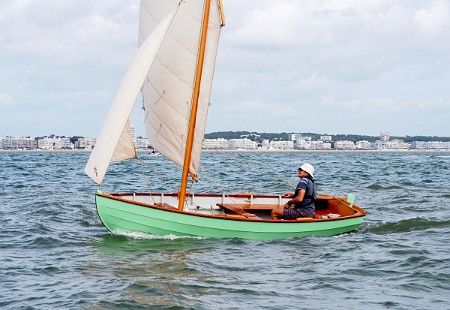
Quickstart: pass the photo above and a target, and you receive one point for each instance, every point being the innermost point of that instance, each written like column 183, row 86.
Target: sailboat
column 173, row 70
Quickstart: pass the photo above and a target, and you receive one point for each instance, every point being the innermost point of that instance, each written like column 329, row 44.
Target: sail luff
column 193, row 116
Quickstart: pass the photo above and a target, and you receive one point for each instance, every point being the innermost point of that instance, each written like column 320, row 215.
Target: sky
column 322, row 66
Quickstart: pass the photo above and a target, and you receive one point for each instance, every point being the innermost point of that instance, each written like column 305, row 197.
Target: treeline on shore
column 259, row 136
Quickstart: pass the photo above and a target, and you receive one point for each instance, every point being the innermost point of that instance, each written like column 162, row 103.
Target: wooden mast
column 193, row 116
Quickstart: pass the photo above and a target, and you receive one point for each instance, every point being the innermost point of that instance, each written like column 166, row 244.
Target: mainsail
column 169, row 86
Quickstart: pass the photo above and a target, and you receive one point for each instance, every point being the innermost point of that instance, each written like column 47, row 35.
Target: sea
column 56, row 254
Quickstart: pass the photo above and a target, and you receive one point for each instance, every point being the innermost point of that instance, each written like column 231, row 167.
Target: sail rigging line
column 222, row 190
column 194, row 108
column 146, row 181
column 143, row 163
column 190, row 191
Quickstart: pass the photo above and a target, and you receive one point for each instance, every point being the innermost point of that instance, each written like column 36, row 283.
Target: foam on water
column 144, row 236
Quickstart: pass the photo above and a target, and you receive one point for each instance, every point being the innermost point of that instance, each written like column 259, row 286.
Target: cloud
column 278, row 61
column 374, row 54
column 433, row 19
column 65, row 53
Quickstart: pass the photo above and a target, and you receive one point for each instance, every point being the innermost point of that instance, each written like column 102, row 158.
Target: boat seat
column 234, row 208
column 239, row 209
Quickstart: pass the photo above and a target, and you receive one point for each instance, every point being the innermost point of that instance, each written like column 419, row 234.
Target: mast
column 193, row 116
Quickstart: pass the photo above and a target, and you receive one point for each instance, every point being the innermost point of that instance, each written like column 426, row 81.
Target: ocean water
column 55, row 253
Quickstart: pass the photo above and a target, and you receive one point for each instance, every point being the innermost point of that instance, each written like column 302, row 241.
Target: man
column 302, row 202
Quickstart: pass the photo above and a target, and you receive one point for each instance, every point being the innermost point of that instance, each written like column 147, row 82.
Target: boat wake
column 143, row 236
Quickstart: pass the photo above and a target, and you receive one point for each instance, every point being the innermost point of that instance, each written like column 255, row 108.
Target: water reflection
column 154, row 270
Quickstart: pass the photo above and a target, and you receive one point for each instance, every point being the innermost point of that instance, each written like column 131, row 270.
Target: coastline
column 246, row 151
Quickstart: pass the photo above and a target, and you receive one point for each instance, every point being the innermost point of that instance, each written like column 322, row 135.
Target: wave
column 412, row 224
column 45, row 242
column 377, row 186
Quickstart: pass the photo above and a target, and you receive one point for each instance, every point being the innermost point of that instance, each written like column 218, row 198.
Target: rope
column 222, row 190
column 145, row 178
column 143, row 163
column 189, row 191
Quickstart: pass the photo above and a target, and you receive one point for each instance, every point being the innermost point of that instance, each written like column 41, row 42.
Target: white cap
column 308, row 168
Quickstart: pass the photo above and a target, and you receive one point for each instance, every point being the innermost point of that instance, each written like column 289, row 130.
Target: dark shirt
column 310, row 194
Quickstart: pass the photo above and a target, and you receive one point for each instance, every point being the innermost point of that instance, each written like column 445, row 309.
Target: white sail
column 115, row 141
column 168, row 89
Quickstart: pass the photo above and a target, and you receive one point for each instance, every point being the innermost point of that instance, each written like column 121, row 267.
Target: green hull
column 118, row 215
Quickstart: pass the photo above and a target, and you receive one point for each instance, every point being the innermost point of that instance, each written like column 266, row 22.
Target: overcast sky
column 324, row 66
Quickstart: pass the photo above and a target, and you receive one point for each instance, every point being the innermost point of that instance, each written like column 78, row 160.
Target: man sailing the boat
column 302, row 202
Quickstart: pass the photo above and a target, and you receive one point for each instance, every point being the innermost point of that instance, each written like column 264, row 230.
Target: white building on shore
column 55, row 143
column 363, row 145
column 215, row 144
column 265, row 144
column 85, row 143
column 245, row 144
column 141, row 143
column 326, row 138
column 344, row 145
column 430, row 145
column 303, row 143
column 281, row 145
column 395, row 144
column 18, row 143
column 296, row 141
column 320, row 145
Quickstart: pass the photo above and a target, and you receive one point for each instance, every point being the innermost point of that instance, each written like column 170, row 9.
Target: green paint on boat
column 118, row 215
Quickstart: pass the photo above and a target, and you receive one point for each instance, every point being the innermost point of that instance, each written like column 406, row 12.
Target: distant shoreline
column 44, row 151
column 243, row 151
